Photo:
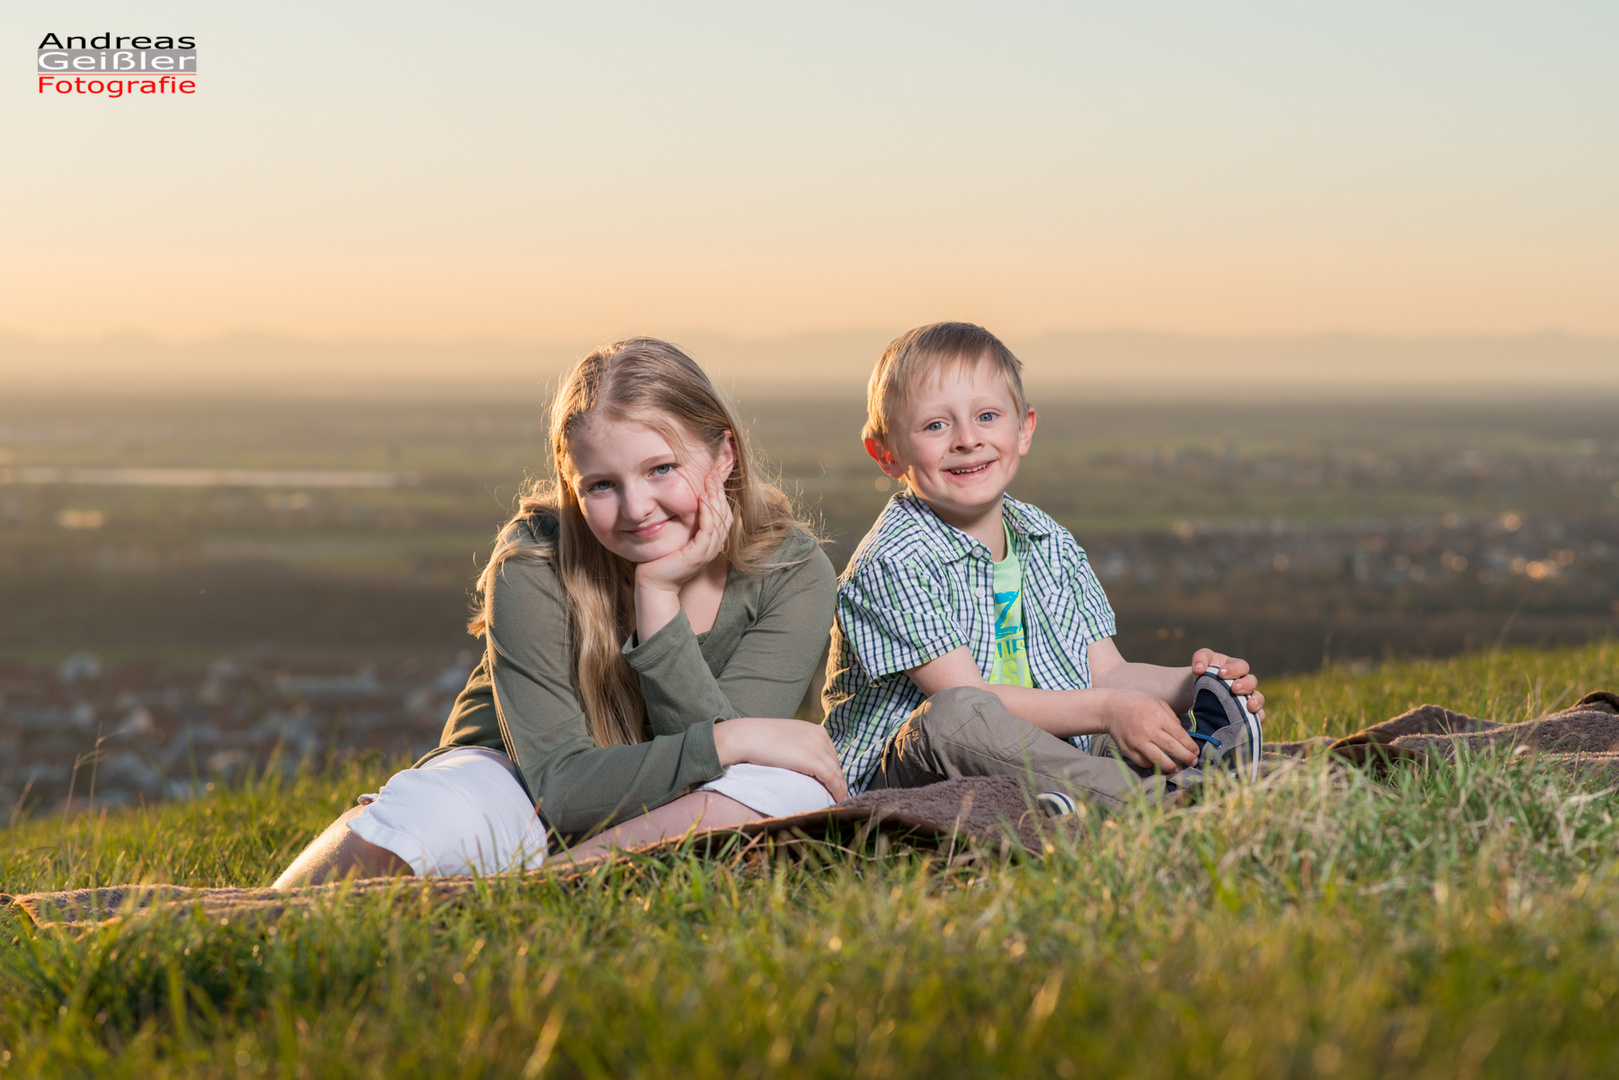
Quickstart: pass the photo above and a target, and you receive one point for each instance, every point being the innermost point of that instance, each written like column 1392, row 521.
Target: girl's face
column 640, row 497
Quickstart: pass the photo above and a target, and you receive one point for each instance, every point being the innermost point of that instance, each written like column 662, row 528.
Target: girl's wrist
column 655, row 608
column 651, row 585
column 730, row 741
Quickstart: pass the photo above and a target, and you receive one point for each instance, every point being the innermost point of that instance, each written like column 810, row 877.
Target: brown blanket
column 1582, row 740
column 980, row 812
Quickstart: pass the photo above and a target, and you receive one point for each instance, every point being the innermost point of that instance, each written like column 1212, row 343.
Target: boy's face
column 958, row 442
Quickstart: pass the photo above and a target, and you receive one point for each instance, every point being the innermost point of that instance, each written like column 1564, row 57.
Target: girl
column 645, row 618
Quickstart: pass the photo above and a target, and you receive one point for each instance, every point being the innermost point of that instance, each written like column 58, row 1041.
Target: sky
column 536, row 171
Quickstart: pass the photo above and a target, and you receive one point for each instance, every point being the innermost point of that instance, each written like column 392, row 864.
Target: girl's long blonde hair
column 649, row 381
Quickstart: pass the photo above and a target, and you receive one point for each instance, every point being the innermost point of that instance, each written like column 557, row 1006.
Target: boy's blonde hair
column 653, row 382
column 926, row 352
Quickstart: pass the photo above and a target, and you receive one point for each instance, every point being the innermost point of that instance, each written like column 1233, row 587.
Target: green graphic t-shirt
column 1011, row 665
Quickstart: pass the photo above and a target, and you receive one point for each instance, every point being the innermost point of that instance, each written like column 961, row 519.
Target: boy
column 972, row 637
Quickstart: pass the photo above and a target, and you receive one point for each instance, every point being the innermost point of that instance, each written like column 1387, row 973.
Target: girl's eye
column 599, row 485
column 662, row 470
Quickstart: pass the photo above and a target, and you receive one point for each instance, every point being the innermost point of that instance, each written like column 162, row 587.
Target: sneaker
column 1228, row 735
column 1055, row 804
column 1186, row 778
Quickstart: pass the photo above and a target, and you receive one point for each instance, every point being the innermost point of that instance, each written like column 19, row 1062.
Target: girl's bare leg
column 340, row 852
column 697, row 811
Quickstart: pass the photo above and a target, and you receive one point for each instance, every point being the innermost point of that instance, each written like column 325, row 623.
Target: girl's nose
column 638, row 502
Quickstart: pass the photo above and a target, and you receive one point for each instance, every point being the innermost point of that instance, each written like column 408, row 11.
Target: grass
column 1462, row 922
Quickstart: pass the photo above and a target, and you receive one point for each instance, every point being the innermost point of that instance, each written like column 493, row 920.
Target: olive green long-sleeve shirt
column 769, row 638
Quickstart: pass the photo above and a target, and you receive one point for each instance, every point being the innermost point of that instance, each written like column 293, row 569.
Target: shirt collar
column 1025, row 519
column 955, row 544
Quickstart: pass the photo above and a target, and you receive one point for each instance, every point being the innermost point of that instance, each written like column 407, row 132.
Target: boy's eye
column 987, row 417
column 937, row 425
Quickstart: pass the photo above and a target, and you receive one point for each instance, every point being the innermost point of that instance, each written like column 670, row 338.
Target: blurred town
column 104, row 734
column 190, row 590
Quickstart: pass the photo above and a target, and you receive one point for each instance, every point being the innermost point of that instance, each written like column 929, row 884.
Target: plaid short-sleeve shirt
column 918, row 588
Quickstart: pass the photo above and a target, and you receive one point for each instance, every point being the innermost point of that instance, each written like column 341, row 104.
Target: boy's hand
column 1236, row 669
column 1147, row 731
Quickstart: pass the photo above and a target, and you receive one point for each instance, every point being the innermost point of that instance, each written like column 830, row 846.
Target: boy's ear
column 1025, row 435
column 885, row 459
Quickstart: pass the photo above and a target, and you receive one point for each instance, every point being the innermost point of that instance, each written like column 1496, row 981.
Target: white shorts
column 465, row 813
column 769, row 791
column 461, row 813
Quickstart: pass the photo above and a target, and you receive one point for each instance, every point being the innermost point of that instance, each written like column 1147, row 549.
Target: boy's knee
column 960, row 710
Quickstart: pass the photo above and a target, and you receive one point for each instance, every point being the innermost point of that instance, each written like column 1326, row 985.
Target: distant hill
column 1103, row 363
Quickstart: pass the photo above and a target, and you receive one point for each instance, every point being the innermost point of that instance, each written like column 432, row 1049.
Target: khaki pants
column 966, row 731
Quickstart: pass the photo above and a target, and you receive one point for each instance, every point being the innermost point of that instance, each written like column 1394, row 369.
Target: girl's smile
column 645, row 532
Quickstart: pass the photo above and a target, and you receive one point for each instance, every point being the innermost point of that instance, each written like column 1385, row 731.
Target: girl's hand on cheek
column 716, row 506
column 707, row 541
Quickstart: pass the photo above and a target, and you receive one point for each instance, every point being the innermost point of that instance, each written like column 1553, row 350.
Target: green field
column 1462, row 922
